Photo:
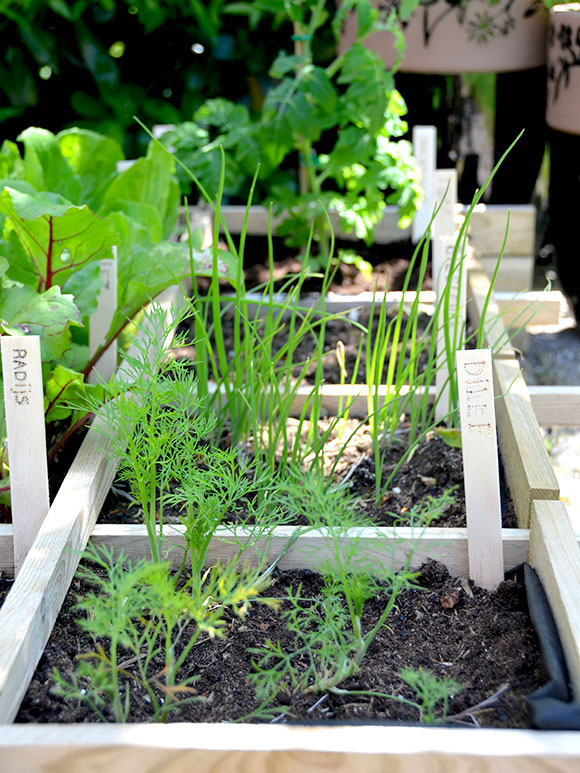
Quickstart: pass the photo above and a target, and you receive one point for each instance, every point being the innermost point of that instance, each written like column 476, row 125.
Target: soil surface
column 483, row 640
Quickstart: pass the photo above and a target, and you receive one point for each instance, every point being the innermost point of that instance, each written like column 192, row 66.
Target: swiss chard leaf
column 48, row 315
column 58, row 237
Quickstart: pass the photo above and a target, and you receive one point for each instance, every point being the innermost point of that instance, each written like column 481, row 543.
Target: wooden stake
column 445, row 193
column 100, row 321
column 24, row 408
column 443, row 247
column 425, row 151
column 480, row 466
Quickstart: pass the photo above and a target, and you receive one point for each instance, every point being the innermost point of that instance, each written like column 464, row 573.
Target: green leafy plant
column 139, row 615
column 63, row 207
column 341, row 122
column 329, row 640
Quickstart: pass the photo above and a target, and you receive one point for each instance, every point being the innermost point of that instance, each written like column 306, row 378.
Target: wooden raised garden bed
column 545, row 538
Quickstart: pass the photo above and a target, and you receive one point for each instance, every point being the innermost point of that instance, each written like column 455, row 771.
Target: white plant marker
column 425, row 152
column 24, row 407
column 445, row 193
column 480, row 467
column 443, row 247
column 100, row 321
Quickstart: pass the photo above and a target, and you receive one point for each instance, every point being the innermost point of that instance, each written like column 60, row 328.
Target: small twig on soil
column 318, row 703
column 352, row 469
column 472, row 710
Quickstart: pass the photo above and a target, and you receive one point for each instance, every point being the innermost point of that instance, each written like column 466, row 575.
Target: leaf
column 151, row 270
column 46, row 169
column 66, row 388
column 58, row 237
column 451, row 436
column 140, row 212
column 93, row 158
column 48, row 315
column 11, row 164
column 148, row 181
column 84, row 286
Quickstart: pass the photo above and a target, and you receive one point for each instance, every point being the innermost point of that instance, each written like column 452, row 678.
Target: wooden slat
column 555, row 555
column 556, row 406
column 217, row 748
column 530, row 308
column 527, row 467
column 448, row 545
column 516, row 272
column 488, row 225
column 31, row 607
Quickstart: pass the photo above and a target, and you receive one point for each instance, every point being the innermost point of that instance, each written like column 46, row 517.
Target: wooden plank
column 488, row 223
column 425, row 152
column 555, row 555
column 386, row 231
column 31, row 607
column 487, row 226
column 217, row 748
column 445, row 194
column 480, row 467
column 26, row 439
column 449, row 545
column 529, row 308
column 527, row 467
column 556, row 406
column 101, row 319
column 516, row 272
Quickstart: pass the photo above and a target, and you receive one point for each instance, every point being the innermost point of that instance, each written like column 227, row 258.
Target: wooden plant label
column 443, row 247
column 445, row 193
column 480, row 467
column 100, row 321
column 425, row 151
column 24, row 407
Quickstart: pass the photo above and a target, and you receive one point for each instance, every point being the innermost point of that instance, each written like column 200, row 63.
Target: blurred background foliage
column 96, row 63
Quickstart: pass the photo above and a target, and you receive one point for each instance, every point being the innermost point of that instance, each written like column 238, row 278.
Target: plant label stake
column 100, row 321
column 480, row 467
column 424, row 150
column 25, row 430
column 454, row 322
column 446, row 195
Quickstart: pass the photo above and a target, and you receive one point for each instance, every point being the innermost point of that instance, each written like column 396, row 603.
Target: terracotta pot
column 472, row 36
column 563, row 107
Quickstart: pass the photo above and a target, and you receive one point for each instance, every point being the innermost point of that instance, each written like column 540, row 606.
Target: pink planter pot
column 445, row 37
column 563, row 106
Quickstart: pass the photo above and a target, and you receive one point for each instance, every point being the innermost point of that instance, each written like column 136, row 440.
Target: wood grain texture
column 31, row 607
column 488, row 225
column 214, row 748
column 26, row 439
column 556, row 406
column 446, row 544
column 486, row 229
column 555, row 555
column 528, row 470
column 480, row 466
column 516, row 272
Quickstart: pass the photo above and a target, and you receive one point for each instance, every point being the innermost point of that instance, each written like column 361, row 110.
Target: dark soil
column 389, row 262
column 432, row 470
column 484, row 640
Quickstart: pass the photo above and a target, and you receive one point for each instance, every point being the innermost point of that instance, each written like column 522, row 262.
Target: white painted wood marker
column 100, row 321
column 480, row 467
column 425, row 152
column 24, row 407
column 445, row 193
